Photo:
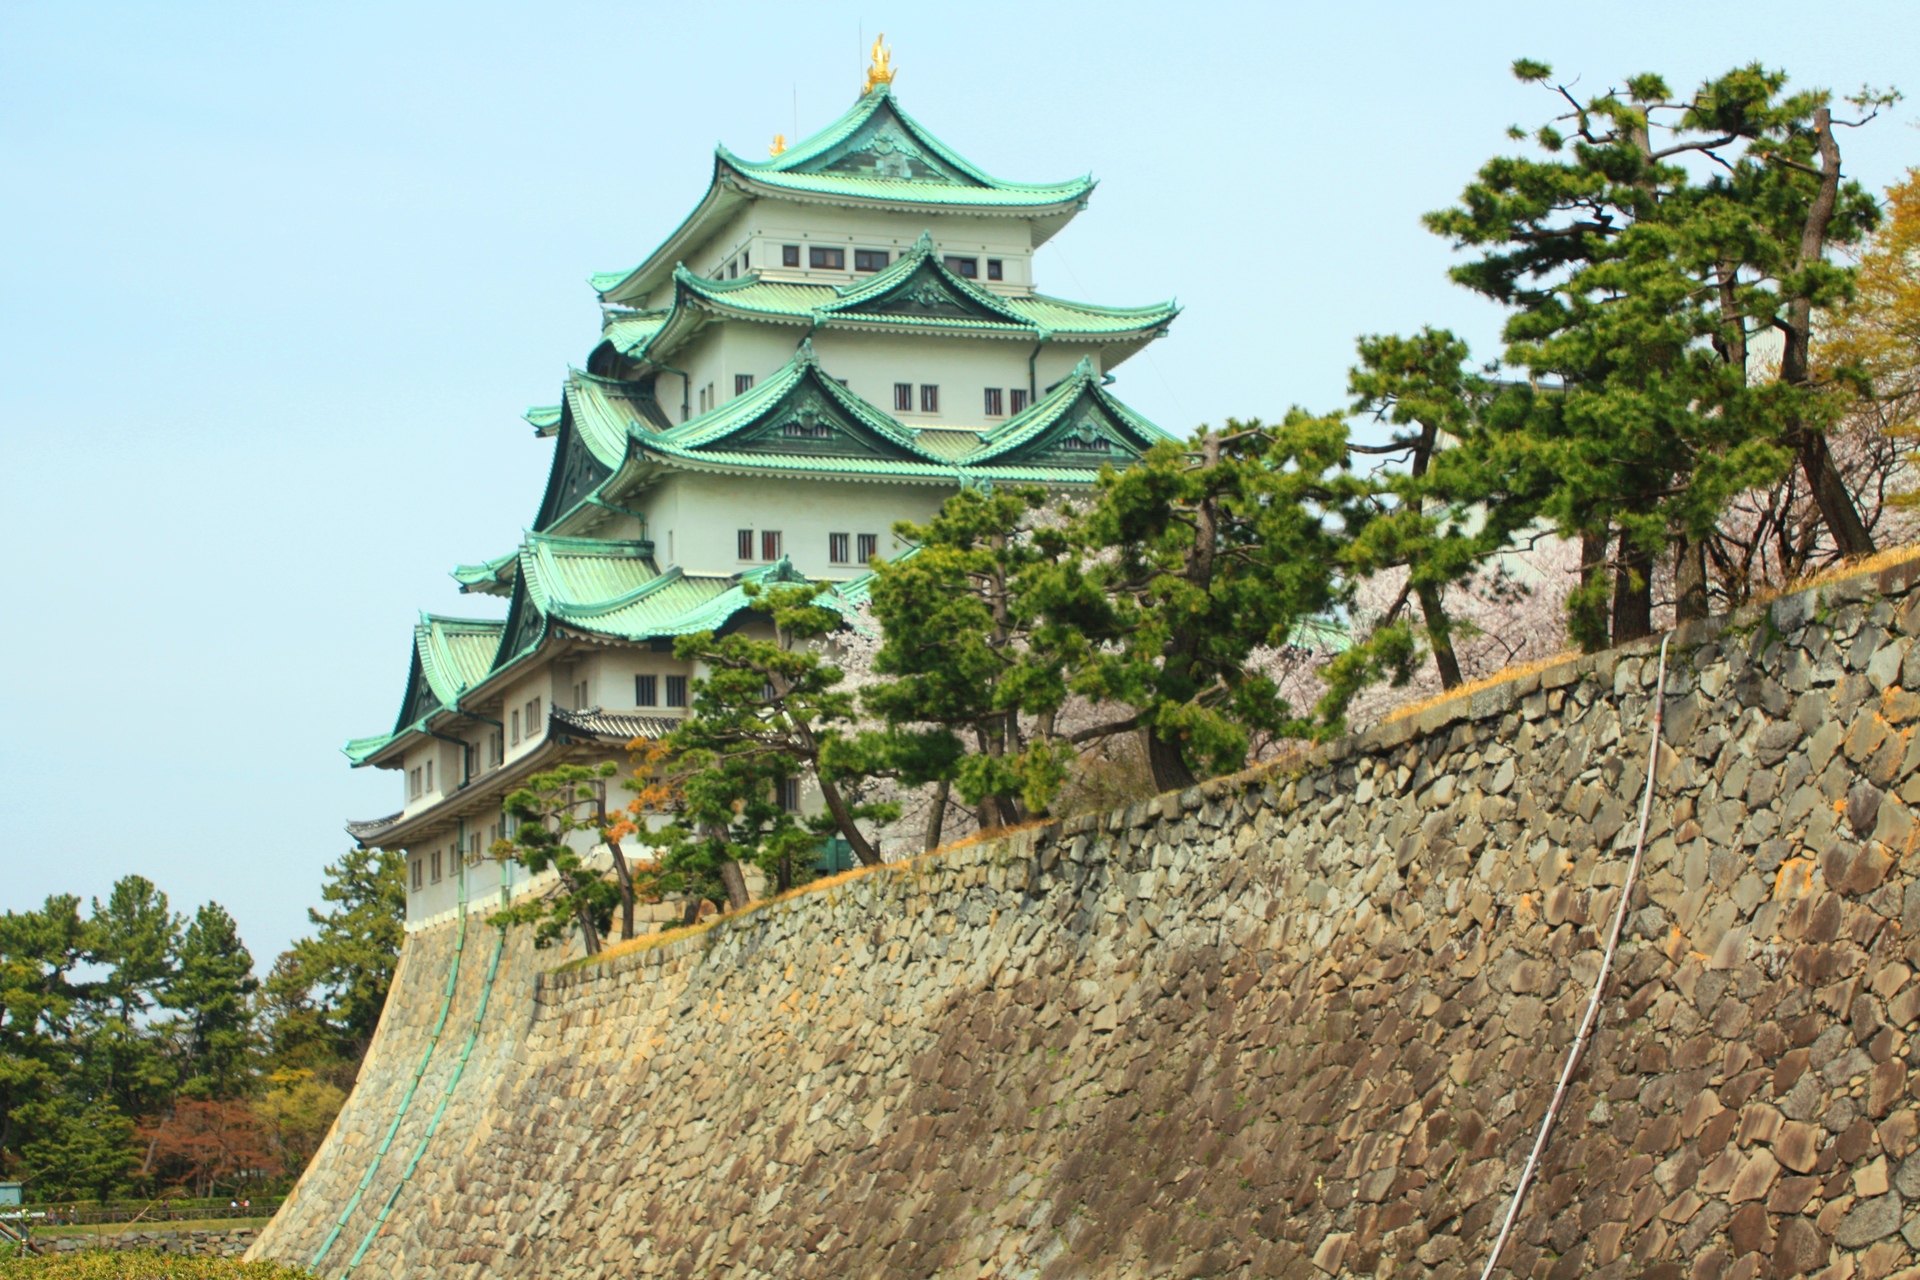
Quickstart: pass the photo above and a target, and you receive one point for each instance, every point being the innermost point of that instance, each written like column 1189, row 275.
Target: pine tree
column 769, row 713
column 1186, row 563
column 966, row 700
column 1635, row 292
column 213, row 988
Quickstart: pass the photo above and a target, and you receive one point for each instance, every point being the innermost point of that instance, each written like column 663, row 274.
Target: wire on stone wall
column 446, row 1096
column 419, row 1073
column 1599, row 982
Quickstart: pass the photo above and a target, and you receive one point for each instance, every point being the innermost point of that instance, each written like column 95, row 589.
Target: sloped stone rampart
column 1298, row 1022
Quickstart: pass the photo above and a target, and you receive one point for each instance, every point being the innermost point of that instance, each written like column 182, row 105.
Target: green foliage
column 213, row 986
column 957, row 649
column 67, row 1153
column 1185, row 564
column 1634, row 289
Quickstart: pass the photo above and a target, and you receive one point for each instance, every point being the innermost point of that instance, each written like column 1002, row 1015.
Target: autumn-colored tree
column 1874, row 338
column 296, row 1111
column 201, row 1143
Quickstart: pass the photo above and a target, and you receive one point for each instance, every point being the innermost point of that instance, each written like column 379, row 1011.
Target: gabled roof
column 1078, row 424
column 450, row 656
column 597, row 419
column 915, row 293
column 798, row 409
column 874, row 156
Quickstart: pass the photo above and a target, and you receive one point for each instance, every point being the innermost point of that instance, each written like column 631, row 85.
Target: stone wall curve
column 1302, row 1021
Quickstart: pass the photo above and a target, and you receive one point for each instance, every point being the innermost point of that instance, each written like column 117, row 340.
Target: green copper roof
column 799, row 420
column 490, row 577
column 450, row 656
column 545, row 419
column 358, row 750
column 1078, row 424
column 876, row 151
column 614, row 589
column 915, row 293
column 874, row 156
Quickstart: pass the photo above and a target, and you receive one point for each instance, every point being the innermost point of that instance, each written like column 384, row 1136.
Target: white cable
column 1599, row 983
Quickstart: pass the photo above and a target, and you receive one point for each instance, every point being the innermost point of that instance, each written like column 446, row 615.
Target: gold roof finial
column 779, row 144
column 881, row 72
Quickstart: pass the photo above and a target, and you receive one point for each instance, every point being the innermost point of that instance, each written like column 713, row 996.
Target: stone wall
column 1296, row 1022
column 194, row 1244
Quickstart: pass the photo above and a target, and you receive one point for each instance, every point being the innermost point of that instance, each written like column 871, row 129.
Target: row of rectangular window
column 839, row 545
column 840, row 548
column 646, row 691
column 998, row 399
column 821, row 257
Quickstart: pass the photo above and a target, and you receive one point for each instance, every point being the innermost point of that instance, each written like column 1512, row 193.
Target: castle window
column 514, row 720
column 746, row 544
column 676, row 691
column 436, row 866
column 1019, row 399
column 789, row 255
column 790, row 794
column 429, row 775
column 869, row 546
column 419, row 876
column 994, row 270
column 580, row 696
column 869, row 259
column 903, row 397
column 825, row 258
column 839, row 547
column 733, row 271
column 646, row 691
column 746, row 260
column 769, row 544
column 533, row 719
column 929, row 398
column 742, row 383
column 996, row 403
column 965, row 268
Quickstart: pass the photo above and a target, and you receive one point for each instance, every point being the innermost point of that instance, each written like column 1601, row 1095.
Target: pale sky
column 280, row 280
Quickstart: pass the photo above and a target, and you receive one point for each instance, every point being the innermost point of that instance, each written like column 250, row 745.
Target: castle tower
column 835, row 339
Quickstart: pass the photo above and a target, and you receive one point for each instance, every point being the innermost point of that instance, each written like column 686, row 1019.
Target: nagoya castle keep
column 835, row 339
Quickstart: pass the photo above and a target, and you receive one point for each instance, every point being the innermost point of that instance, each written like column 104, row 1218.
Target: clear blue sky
column 279, row 279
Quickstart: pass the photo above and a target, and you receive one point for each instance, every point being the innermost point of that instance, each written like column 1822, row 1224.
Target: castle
column 837, row 338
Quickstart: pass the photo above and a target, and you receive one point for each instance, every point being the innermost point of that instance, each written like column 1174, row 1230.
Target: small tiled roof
column 489, row 577
column 610, row 726
column 369, row 831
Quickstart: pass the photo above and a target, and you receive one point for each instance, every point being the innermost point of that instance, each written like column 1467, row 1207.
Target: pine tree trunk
column 1690, row 600
column 1830, row 494
column 735, row 879
column 1632, row 596
column 937, row 816
column 1439, row 635
column 1170, row 772
column 842, row 818
column 1587, row 619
